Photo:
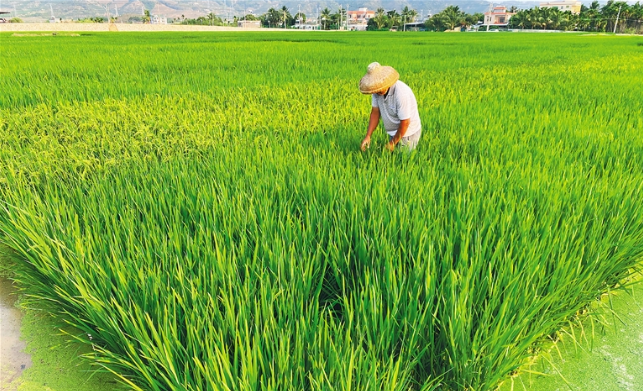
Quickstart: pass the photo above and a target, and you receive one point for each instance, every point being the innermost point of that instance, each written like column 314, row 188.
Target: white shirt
column 399, row 104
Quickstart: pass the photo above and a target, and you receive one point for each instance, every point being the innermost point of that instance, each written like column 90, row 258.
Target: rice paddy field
column 196, row 204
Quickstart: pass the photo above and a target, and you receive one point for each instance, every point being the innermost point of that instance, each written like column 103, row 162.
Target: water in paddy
column 52, row 362
column 611, row 361
column 13, row 359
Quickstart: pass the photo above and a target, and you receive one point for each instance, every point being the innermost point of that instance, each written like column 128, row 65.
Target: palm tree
column 453, row 16
column 535, row 18
column 408, row 15
column 272, row 17
column 339, row 17
column 147, row 18
column 637, row 16
column 285, row 15
column 393, row 18
column 519, row 20
column 211, row 18
column 554, row 17
column 380, row 18
column 325, row 15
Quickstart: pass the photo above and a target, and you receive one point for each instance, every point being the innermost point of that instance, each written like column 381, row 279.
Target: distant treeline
column 627, row 18
column 592, row 18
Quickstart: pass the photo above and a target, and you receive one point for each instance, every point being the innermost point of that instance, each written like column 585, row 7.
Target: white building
column 572, row 6
column 156, row 19
column 358, row 20
column 249, row 24
column 307, row 26
column 498, row 16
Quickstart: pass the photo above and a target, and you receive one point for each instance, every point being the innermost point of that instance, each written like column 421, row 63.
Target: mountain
column 38, row 11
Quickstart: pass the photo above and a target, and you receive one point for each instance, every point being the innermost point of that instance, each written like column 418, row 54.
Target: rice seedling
column 199, row 205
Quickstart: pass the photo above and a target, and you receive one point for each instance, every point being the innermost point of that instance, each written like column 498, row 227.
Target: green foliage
column 594, row 18
column 451, row 18
column 277, row 18
column 208, row 20
column 97, row 19
column 387, row 20
column 199, row 205
column 15, row 20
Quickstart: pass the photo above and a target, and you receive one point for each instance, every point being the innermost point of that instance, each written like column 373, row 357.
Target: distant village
column 549, row 15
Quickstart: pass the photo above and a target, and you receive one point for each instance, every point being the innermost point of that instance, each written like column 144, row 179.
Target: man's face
column 383, row 92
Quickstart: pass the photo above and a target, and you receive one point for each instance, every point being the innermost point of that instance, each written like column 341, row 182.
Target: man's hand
column 390, row 146
column 366, row 143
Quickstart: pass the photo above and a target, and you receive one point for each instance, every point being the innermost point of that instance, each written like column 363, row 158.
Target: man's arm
column 401, row 131
column 372, row 124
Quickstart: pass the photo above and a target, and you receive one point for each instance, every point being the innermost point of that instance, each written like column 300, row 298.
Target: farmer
column 394, row 102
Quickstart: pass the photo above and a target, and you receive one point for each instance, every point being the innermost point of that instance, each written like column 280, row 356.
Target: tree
column 437, row 22
column 325, row 16
column 535, row 18
column 380, row 19
column 393, row 19
column 518, row 20
column 211, row 18
column 147, row 18
column 409, row 14
column 556, row 19
column 286, row 18
column 15, row 20
column 301, row 17
column 271, row 18
column 338, row 18
column 453, row 16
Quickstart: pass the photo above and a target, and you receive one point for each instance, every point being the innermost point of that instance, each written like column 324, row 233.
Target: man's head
column 378, row 79
column 383, row 92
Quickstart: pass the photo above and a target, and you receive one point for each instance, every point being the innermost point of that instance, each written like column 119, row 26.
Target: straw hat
column 377, row 78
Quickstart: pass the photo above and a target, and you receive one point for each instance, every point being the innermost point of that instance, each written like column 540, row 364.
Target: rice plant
column 198, row 206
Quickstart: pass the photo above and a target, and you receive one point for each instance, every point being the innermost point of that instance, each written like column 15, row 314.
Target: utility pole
column 490, row 16
column 347, row 9
column 617, row 16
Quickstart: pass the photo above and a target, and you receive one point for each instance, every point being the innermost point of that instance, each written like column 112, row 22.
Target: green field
column 197, row 204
